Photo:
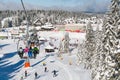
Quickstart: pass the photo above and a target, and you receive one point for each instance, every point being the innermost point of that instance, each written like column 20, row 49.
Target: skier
column 25, row 73
column 54, row 73
column 21, row 78
column 32, row 45
column 36, row 75
column 35, row 51
column 20, row 52
column 44, row 64
column 45, row 69
column 26, row 51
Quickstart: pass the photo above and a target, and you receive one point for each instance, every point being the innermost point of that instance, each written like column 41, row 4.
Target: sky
column 70, row 5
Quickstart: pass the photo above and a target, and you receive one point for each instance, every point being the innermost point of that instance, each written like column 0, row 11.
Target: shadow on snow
column 1, row 46
column 7, row 69
column 40, row 61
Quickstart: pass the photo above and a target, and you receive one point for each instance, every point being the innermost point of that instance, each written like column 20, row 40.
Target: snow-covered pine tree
column 90, row 46
column 110, row 68
column 66, row 43
column 60, row 50
column 96, row 57
column 81, row 53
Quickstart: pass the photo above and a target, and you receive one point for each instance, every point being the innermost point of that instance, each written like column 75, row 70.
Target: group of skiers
column 28, row 52
column 36, row 74
column 54, row 72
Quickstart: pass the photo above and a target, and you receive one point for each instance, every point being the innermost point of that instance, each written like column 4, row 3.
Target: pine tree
column 6, row 24
column 66, row 43
column 81, row 52
column 97, row 56
column 110, row 69
column 90, row 45
column 60, row 50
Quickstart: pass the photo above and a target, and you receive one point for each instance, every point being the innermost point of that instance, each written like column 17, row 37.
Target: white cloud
column 92, row 5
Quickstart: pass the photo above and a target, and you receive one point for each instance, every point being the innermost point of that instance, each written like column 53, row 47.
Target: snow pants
column 30, row 54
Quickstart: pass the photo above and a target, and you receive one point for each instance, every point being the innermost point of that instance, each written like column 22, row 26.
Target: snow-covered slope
column 12, row 66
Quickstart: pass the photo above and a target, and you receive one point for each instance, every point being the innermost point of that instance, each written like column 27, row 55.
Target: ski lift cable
column 24, row 8
column 27, row 35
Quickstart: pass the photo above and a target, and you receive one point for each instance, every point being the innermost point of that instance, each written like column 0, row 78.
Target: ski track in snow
column 66, row 69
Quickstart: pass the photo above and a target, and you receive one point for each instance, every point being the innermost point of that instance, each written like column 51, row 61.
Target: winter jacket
column 36, row 50
column 20, row 50
column 26, row 50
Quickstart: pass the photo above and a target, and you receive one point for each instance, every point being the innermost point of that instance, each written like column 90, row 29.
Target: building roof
column 37, row 22
column 49, row 47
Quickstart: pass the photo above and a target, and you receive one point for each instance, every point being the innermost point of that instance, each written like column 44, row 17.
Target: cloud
column 9, row 5
column 95, row 6
column 85, row 5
